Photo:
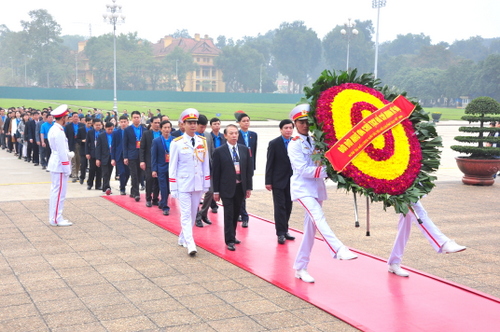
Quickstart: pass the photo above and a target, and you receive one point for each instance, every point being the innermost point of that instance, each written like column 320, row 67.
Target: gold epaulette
column 178, row 138
column 295, row 138
column 202, row 137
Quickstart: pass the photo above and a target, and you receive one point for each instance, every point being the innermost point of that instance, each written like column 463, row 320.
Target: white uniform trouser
column 314, row 219
column 57, row 196
column 189, row 202
column 428, row 228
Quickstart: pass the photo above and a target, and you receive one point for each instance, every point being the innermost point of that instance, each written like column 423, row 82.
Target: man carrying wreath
column 307, row 187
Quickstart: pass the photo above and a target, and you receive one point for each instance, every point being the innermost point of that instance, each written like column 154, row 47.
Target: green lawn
column 173, row 109
column 447, row 113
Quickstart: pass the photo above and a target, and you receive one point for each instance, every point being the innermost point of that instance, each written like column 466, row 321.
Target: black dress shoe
column 231, row 247
column 289, row 237
column 244, row 224
column 142, row 188
column 81, row 181
column 131, row 196
column 155, row 202
column 123, row 193
column 98, row 188
column 215, row 209
column 149, row 204
column 198, row 223
column 74, row 180
column 36, row 164
column 137, row 198
column 236, row 241
column 166, row 212
column 281, row 239
column 89, row 187
column 239, row 218
column 206, row 220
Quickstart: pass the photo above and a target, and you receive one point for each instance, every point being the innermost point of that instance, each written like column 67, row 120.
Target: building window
column 197, row 86
column 206, row 73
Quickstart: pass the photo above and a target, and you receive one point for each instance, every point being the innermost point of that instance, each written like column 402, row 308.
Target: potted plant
column 483, row 148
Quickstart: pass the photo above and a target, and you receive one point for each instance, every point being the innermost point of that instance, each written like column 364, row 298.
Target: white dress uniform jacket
column 308, row 179
column 189, row 168
column 59, row 161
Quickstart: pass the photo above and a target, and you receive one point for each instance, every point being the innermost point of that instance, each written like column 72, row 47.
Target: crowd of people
column 194, row 166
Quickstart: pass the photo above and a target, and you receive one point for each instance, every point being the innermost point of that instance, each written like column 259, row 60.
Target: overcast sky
column 442, row 20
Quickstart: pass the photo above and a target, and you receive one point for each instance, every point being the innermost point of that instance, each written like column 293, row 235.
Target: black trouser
column 232, row 206
column 8, row 139
column 135, row 175
column 94, row 172
column 106, row 171
column 83, row 166
column 282, row 209
column 29, row 151
column 243, row 211
column 33, row 153
column 48, row 150
column 152, row 187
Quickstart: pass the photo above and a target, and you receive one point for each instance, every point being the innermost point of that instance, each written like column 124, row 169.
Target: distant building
column 207, row 78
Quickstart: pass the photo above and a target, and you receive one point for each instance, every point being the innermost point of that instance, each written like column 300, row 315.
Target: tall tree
column 360, row 48
column 473, row 48
column 180, row 63
column 181, row 34
column 42, row 35
column 487, row 81
column 405, row 44
column 297, row 50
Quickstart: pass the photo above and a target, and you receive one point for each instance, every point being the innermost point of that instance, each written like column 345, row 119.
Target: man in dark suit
column 131, row 145
column 117, row 154
column 160, row 158
column 212, row 139
column 249, row 139
column 278, row 173
column 31, row 128
column 81, row 138
column 152, row 187
column 90, row 148
column 232, row 172
column 103, row 155
column 71, row 131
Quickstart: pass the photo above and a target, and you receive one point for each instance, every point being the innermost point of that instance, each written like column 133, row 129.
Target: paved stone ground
column 113, row 271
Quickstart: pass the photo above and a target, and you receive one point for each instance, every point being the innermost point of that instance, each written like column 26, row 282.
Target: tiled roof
column 203, row 46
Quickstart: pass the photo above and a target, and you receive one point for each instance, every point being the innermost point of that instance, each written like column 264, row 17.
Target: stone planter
column 436, row 117
column 478, row 171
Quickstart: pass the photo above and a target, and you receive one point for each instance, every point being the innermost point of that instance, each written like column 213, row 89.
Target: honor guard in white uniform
column 307, row 187
column 59, row 166
column 189, row 175
column 440, row 242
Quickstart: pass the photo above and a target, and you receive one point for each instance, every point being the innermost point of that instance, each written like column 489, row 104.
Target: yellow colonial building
column 207, row 78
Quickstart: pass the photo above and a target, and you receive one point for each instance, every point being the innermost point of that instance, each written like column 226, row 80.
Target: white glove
column 71, row 154
column 67, row 170
column 174, row 194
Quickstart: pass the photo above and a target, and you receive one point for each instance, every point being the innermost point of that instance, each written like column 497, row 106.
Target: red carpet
column 360, row 292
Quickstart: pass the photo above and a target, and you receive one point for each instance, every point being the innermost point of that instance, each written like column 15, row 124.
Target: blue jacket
column 117, row 146
column 158, row 163
column 130, row 145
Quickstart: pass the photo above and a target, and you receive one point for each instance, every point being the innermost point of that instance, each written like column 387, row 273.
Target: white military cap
column 60, row 111
column 189, row 114
column 299, row 112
